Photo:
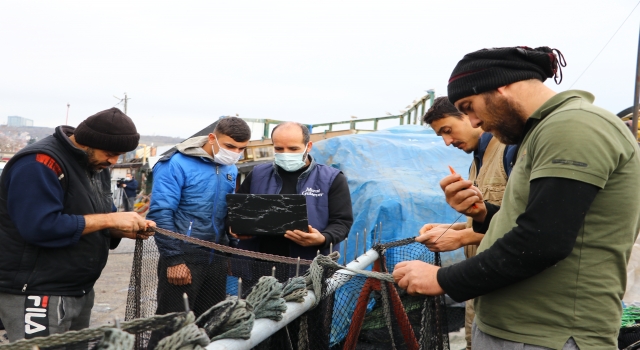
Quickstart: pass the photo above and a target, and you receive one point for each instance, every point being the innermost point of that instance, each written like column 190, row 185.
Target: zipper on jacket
column 24, row 288
column 215, row 207
column 189, row 229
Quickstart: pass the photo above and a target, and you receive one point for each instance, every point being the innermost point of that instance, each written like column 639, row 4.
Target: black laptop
column 267, row 214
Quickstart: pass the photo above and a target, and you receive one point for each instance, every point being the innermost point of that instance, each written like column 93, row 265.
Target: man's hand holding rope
column 141, row 234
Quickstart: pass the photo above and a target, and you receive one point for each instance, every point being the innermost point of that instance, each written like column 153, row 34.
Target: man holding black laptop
column 295, row 172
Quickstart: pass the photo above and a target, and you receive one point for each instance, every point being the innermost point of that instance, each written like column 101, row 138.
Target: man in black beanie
column 551, row 269
column 57, row 224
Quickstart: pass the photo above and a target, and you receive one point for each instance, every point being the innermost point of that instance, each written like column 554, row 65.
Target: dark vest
column 72, row 270
column 314, row 183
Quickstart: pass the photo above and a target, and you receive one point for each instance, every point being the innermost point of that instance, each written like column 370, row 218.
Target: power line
column 605, row 46
column 125, row 100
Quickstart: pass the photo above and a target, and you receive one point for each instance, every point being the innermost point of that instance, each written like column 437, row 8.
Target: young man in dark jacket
column 57, row 224
column 295, row 172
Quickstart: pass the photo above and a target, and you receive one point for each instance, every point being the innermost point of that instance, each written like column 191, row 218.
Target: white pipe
column 263, row 328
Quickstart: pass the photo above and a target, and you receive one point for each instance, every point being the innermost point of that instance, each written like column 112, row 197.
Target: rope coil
column 266, row 299
column 91, row 334
column 188, row 337
column 116, row 339
column 230, row 318
column 295, row 290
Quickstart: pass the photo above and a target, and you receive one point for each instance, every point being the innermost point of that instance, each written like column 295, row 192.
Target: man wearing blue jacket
column 189, row 197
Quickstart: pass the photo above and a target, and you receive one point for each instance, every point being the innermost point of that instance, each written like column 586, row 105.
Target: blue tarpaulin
column 393, row 178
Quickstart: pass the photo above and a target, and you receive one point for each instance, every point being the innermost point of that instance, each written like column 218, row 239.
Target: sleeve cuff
column 114, row 243
column 483, row 227
column 327, row 240
column 480, row 227
column 80, row 227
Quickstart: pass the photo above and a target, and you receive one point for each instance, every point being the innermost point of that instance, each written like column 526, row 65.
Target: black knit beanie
column 109, row 130
column 489, row 69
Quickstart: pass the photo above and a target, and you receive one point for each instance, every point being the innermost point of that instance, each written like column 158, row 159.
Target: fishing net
column 368, row 313
column 353, row 309
column 214, row 273
column 358, row 311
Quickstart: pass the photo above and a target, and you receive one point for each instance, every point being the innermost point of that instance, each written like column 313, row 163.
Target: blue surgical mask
column 291, row 161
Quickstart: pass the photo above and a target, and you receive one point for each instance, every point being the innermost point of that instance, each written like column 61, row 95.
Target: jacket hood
column 193, row 147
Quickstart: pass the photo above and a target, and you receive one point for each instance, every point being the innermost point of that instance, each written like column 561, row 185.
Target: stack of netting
column 107, row 337
column 354, row 310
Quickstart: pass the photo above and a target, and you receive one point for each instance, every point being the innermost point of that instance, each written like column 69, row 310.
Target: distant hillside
column 160, row 140
column 39, row 132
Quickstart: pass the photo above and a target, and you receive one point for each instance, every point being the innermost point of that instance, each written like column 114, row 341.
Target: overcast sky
column 185, row 63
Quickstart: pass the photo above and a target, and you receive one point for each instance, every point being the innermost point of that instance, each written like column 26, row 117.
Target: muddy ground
column 112, row 286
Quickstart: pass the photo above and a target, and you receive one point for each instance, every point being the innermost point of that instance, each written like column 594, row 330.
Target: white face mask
column 224, row 156
column 291, row 161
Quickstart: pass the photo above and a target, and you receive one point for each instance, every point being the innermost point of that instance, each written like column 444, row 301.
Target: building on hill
column 18, row 121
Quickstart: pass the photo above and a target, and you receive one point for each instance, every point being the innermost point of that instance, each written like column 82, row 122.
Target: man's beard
column 507, row 119
column 94, row 164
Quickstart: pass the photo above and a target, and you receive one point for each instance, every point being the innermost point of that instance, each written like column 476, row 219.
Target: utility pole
column 125, row 100
column 67, row 120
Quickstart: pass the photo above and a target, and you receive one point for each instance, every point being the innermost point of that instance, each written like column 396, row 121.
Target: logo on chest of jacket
column 229, row 177
column 311, row 192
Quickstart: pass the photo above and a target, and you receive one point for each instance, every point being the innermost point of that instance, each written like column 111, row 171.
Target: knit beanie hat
column 109, row 130
column 489, row 69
